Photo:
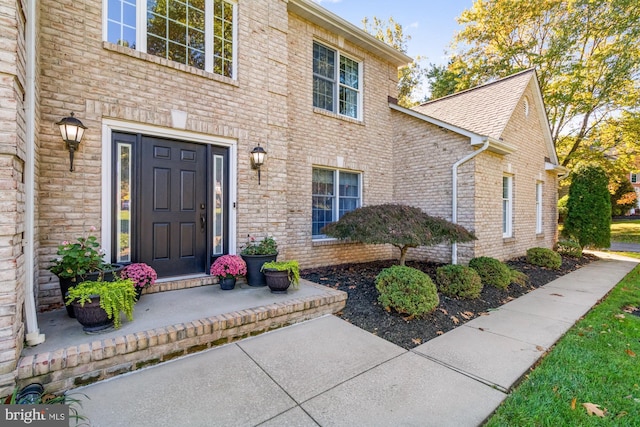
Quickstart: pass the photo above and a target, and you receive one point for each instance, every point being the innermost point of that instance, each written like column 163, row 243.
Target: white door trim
column 111, row 125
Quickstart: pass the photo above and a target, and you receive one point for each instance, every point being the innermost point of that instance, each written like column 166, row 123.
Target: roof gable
column 487, row 109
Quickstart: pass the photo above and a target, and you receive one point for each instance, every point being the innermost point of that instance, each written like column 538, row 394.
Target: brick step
column 69, row 358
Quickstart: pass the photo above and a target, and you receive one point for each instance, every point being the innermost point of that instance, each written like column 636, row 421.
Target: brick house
column 634, row 179
column 173, row 111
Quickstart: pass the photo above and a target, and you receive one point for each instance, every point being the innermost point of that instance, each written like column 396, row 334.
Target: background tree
column 399, row 225
column 586, row 54
column 411, row 76
column 623, row 197
column 589, row 208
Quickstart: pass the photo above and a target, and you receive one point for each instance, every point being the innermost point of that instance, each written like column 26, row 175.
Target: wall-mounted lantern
column 257, row 159
column 72, row 131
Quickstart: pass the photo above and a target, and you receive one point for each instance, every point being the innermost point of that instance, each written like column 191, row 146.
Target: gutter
column 563, row 172
column 33, row 335
column 454, row 193
column 317, row 14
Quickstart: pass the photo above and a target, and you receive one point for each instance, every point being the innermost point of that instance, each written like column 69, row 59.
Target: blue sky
column 430, row 23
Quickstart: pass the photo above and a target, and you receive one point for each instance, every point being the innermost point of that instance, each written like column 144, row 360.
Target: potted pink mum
column 227, row 268
column 142, row 275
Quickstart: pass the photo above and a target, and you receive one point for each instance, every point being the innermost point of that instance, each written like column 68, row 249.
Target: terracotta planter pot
column 278, row 281
column 92, row 317
column 68, row 282
column 254, row 264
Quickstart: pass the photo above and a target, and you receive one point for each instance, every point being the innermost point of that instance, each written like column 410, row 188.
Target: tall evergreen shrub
column 589, row 208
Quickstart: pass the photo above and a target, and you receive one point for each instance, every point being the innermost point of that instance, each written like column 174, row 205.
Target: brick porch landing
column 166, row 325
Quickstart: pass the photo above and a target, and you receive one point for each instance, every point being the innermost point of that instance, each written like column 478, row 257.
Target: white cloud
column 413, row 25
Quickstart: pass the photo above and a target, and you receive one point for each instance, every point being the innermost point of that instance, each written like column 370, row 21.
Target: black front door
column 170, row 203
column 173, row 206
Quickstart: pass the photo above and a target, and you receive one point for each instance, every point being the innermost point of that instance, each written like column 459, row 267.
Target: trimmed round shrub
column 544, row 257
column 492, row 271
column 567, row 247
column 518, row 277
column 458, row 281
column 406, row 290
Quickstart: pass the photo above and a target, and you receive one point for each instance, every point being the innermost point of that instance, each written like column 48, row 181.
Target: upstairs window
column 199, row 33
column 334, row 193
column 634, row 178
column 336, row 82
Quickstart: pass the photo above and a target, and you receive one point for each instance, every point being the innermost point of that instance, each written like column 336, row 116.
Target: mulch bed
column 363, row 310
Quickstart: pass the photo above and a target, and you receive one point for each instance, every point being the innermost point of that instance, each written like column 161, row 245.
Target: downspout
column 33, row 335
column 454, row 192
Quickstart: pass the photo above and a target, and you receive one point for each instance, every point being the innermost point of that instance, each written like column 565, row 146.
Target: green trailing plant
column 589, row 208
column 492, row 271
column 115, row 297
column 458, row 281
column 567, row 247
column 406, row 290
column 544, row 257
column 291, row 267
column 399, row 225
column 518, row 277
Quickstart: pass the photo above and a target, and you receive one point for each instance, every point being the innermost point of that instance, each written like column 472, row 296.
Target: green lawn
column 597, row 362
column 622, row 231
column 626, row 231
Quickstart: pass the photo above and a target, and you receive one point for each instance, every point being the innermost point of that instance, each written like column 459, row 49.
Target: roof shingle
column 485, row 109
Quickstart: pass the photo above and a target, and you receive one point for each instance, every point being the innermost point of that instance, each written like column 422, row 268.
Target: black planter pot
column 68, row 282
column 254, row 264
column 139, row 290
column 278, row 281
column 226, row 284
column 92, row 317
column 30, row 395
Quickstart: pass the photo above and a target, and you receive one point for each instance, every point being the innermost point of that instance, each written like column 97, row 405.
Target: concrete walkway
column 328, row 372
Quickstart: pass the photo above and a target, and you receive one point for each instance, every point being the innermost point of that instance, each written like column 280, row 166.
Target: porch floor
column 166, row 325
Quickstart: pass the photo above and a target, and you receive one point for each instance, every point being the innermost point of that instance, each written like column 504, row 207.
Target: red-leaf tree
column 399, row 225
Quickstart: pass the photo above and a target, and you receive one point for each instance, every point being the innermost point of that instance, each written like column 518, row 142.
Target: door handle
column 203, row 221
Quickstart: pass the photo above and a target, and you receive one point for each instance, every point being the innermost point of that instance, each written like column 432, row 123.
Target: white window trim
column 508, row 232
column 337, row 84
column 141, row 36
column 633, row 178
column 539, row 191
column 111, row 125
column 336, row 206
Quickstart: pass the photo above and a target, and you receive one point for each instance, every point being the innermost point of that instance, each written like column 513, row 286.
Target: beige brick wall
column 319, row 138
column 270, row 103
column 527, row 166
column 424, row 155
column 12, row 157
column 108, row 81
